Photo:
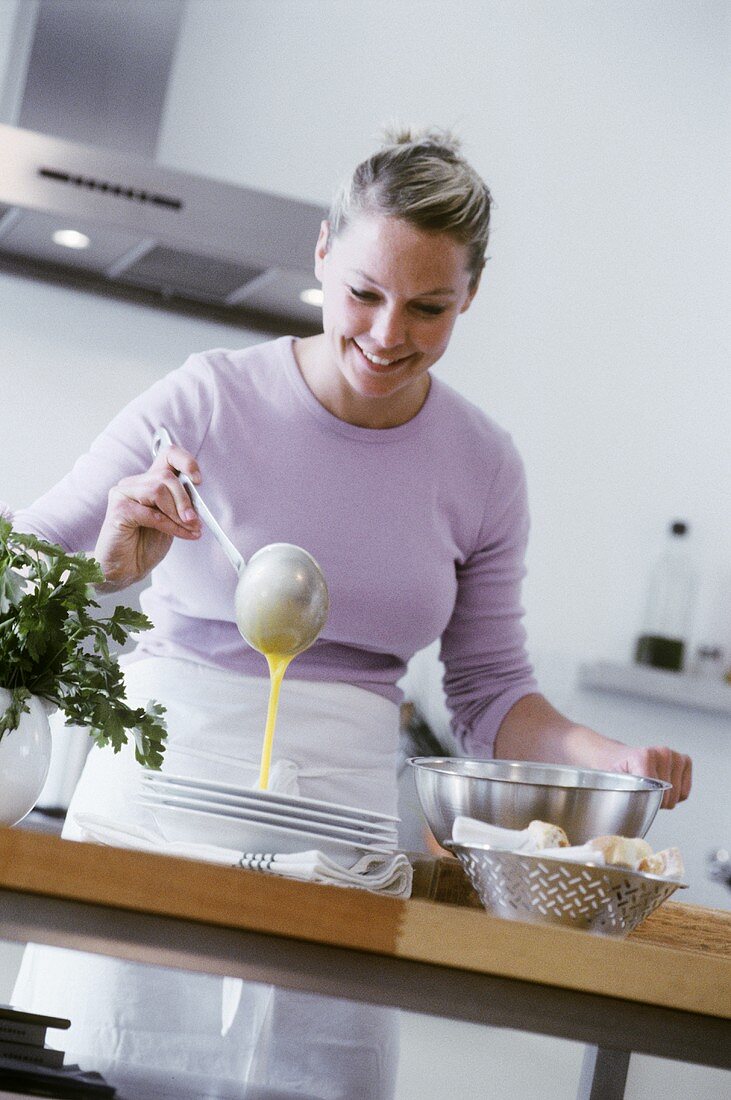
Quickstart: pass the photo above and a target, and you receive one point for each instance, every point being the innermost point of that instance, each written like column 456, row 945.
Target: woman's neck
column 332, row 391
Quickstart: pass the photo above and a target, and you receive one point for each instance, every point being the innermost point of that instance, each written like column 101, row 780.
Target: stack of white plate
column 250, row 820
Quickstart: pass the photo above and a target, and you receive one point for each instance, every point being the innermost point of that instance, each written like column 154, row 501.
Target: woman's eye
column 426, row 309
column 430, row 311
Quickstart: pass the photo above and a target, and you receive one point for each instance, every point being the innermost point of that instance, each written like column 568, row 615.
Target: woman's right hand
column 144, row 514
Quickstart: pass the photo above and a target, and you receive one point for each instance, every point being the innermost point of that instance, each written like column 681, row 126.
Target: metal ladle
column 281, row 596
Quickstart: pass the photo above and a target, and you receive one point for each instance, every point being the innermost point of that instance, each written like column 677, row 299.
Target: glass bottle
column 673, row 585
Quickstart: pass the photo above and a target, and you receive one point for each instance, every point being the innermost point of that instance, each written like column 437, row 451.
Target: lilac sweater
column 420, row 530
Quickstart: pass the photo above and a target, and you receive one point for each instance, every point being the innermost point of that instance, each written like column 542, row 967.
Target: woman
column 414, row 504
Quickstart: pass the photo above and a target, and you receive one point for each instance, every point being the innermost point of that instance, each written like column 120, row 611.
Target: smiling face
column 392, row 294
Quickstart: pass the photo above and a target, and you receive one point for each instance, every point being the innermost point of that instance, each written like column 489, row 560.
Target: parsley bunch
column 53, row 647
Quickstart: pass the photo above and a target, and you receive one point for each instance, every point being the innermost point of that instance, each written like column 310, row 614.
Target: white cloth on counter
column 385, row 874
column 210, row 1036
column 469, row 831
column 576, row 853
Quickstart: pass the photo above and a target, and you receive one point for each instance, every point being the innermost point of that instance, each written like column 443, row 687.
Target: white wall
column 68, row 362
column 598, row 337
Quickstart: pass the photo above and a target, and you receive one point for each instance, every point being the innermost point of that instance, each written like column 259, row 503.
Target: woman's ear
column 473, row 290
column 321, row 248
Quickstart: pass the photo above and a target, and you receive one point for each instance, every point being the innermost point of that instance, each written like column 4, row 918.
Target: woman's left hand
column 658, row 762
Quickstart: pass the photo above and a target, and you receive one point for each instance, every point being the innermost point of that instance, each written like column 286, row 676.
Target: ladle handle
column 162, row 438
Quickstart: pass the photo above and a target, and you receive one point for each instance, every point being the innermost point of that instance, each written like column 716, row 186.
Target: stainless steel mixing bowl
column 512, row 793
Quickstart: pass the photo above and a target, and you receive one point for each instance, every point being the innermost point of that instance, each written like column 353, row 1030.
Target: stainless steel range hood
column 154, row 234
column 89, row 88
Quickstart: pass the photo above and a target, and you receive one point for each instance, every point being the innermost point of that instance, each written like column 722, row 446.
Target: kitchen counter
column 664, row 990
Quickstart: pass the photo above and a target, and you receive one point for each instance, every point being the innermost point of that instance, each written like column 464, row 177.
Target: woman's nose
column 388, row 328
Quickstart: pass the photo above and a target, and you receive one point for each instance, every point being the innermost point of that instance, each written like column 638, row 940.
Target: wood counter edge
column 415, row 929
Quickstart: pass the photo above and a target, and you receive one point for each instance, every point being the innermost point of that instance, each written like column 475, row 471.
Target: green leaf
column 130, row 619
column 52, row 645
column 11, row 718
column 11, row 589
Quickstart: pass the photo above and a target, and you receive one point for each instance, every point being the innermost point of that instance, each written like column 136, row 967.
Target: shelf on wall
column 656, row 685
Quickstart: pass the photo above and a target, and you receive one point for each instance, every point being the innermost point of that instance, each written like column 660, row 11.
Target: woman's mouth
column 379, row 363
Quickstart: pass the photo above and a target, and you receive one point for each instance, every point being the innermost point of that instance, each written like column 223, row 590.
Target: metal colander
column 547, row 890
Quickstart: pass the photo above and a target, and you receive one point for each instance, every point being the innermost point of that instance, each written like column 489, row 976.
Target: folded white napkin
column 466, row 830
column 387, row 873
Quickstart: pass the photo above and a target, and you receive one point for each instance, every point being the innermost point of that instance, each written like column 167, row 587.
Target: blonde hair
column 423, row 178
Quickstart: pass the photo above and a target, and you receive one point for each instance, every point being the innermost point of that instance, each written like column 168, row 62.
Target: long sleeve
column 483, row 647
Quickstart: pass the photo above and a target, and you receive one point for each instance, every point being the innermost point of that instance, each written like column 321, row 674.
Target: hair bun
column 444, row 139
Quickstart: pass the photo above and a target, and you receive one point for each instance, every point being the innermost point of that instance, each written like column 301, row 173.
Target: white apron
column 136, row 1024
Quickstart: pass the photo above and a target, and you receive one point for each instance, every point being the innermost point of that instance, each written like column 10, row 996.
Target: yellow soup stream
column 278, row 663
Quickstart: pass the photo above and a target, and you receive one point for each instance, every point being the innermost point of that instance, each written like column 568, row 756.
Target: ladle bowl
column 281, row 596
column 281, row 600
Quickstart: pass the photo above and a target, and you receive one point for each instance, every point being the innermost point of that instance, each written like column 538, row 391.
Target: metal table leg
column 603, row 1074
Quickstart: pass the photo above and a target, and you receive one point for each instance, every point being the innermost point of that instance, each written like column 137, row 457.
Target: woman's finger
column 158, row 505
column 681, row 776
column 180, row 461
column 674, row 768
column 142, row 516
column 177, row 460
column 160, row 489
column 686, row 782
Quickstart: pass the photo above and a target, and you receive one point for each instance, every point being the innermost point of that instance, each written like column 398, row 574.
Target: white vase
column 25, row 756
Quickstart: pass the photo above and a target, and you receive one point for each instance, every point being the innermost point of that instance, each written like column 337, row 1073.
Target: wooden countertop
column 679, row 958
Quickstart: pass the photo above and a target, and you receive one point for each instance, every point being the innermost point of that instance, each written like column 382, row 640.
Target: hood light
column 312, row 297
column 71, row 238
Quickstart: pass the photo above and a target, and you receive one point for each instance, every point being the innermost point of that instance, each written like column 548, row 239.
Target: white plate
column 209, row 785
column 178, row 823
column 355, row 835
column 166, row 791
